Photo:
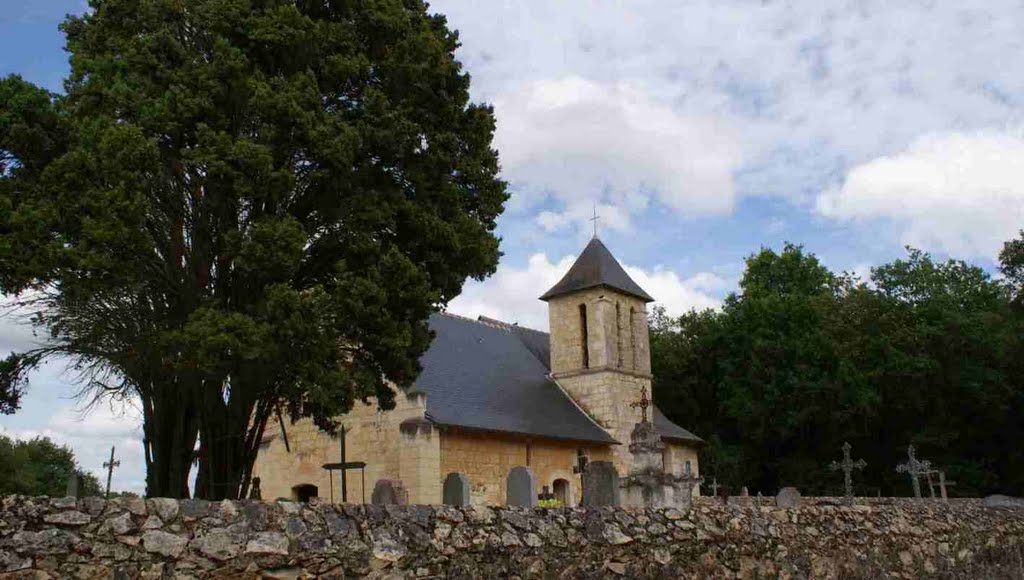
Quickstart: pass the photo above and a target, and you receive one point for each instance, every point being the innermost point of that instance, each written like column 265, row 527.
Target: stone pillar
column 419, row 461
column 642, row 343
column 601, row 329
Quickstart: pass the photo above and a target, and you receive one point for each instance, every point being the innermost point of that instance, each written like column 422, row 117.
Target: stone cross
column 642, row 404
column 914, row 469
column 110, row 465
column 847, row 465
column 714, row 486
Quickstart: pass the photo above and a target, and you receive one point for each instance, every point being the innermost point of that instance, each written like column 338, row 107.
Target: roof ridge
column 509, row 325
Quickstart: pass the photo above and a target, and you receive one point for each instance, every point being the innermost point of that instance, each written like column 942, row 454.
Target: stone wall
column 43, row 538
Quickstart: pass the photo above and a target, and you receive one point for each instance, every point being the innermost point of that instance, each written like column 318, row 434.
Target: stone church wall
column 372, row 436
column 487, row 459
column 128, row 538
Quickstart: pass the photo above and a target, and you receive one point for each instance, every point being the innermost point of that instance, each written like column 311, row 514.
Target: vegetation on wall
column 802, row 359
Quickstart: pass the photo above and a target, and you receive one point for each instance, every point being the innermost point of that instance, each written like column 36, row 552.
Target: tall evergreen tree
column 241, row 208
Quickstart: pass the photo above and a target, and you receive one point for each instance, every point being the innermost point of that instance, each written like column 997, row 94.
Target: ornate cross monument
column 642, row 404
column 914, row 468
column 847, row 466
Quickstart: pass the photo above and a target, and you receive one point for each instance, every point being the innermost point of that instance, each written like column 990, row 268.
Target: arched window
column 561, row 489
column 584, row 336
column 305, row 492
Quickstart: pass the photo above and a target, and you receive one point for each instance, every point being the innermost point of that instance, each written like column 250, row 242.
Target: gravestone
column 520, row 487
column 456, row 490
column 1003, row 501
column 789, row 497
column 76, row 486
column 600, row 484
column 389, row 491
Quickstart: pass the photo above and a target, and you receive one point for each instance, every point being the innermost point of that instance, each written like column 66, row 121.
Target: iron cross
column 943, row 484
column 642, row 404
column 915, row 469
column 847, row 465
column 594, row 219
column 110, row 465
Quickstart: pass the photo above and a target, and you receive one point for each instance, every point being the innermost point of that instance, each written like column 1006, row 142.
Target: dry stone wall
column 123, row 538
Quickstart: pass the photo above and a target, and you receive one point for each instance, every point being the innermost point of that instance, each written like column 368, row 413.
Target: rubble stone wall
column 124, row 538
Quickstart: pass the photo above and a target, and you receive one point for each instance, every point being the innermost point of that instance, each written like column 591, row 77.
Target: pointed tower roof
column 596, row 267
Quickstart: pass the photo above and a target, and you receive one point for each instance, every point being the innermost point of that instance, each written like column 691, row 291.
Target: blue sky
column 702, row 130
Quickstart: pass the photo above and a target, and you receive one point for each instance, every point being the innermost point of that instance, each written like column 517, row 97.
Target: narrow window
column 632, row 335
column 584, row 334
column 618, row 332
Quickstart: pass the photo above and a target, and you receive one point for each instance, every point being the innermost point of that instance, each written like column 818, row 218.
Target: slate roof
column 481, row 375
column 493, row 376
column 596, row 266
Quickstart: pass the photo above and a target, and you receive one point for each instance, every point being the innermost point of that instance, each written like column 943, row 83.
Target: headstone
column 744, row 492
column 76, row 486
column 389, row 491
column 788, row 497
column 255, row 492
column 456, row 489
column 520, row 487
column 600, row 484
column 1003, row 501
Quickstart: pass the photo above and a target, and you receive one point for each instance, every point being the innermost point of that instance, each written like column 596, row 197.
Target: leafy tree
column 803, row 359
column 242, row 208
column 39, row 467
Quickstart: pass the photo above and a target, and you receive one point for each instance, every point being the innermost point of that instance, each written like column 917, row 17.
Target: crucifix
column 943, row 484
column 914, row 469
column 110, row 465
column 714, row 486
column 594, row 219
column 847, row 465
column 642, row 404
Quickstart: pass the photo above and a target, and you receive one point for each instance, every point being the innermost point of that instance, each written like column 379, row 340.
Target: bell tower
column 600, row 348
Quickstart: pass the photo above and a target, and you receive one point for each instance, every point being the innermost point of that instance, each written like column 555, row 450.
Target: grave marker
column 456, row 490
column 914, row 469
column 847, row 465
column 389, row 492
column 788, row 497
column 600, row 484
column 520, row 487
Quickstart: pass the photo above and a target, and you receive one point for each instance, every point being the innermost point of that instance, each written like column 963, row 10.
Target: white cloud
column 650, row 100
column 961, row 193
column 512, row 293
column 584, row 142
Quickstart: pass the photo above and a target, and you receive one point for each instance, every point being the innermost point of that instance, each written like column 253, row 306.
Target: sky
column 701, row 131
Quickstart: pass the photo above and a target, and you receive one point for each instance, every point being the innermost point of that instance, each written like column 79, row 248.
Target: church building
column 493, row 396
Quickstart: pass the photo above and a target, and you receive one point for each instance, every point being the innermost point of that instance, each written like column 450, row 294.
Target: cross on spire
column 594, row 219
column 914, row 468
column 642, row 404
column 847, row 465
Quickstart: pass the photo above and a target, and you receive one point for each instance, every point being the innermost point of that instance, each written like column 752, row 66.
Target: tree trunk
column 170, row 425
column 229, row 438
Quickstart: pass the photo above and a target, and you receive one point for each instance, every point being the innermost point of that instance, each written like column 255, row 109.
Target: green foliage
column 804, row 359
column 39, row 467
column 244, row 207
column 550, row 503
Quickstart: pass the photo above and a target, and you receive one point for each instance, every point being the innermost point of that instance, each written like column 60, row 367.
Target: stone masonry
column 128, row 538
